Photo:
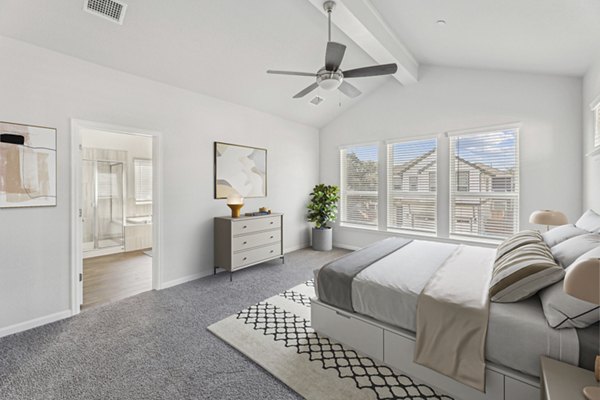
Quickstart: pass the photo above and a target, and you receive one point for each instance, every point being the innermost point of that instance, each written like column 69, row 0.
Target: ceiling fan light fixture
column 330, row 84
column 328, row 80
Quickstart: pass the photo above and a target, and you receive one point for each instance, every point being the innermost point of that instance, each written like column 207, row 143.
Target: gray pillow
column 523, row 272
column 571, row 249
column 590, row 221
column 561, row 233
column 565, row 311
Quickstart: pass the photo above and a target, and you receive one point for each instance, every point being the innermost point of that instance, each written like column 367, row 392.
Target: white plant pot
column 322, row 239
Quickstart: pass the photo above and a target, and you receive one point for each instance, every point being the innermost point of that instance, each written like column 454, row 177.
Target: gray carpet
column 154, row 345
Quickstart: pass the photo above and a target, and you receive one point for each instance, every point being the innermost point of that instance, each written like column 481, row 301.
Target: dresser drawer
column 241, row 243
column 251, row 256
column 255, row 225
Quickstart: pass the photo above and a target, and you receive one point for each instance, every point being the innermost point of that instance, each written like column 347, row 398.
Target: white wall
column 448, row 99
column 591, row 165
column 45, row 88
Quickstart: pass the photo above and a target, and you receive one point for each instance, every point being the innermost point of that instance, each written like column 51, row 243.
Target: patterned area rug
column 276, row 334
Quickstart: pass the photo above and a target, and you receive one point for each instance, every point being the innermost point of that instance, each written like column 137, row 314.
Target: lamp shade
column 583, row 280
column 235, row 198
column 548, row 217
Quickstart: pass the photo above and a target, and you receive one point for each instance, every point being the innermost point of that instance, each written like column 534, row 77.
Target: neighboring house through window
column 484, row 210
column 413, row 207
column 359, row 184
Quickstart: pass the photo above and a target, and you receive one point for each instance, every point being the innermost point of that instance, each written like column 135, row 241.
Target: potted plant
column 322, row 209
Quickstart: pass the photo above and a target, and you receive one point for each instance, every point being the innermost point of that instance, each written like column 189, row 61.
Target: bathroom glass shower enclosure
column 103, row 205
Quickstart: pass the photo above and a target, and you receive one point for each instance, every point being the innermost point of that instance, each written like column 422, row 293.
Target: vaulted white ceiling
column 222, row 48
column 542, row 36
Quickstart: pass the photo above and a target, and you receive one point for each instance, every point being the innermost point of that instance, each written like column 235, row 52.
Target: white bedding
column 517, row 332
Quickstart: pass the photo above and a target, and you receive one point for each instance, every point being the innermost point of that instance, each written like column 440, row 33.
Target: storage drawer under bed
column 346, row 329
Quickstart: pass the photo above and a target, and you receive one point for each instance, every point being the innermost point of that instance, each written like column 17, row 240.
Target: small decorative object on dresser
column 246, row 241
column 322, row 209
column 235, row 202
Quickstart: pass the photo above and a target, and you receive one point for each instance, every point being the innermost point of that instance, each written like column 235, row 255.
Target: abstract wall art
column 240, row 170
column 27, row 165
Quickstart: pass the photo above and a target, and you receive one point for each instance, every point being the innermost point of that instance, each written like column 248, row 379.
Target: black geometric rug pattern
column 296, row 297
column 297, row 333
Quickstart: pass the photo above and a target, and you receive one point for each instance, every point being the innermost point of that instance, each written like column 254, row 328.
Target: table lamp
column 582, row 281
column 548, row 217
column 235, row 202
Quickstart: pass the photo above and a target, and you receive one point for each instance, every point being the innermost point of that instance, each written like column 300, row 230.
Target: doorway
column 116, row 195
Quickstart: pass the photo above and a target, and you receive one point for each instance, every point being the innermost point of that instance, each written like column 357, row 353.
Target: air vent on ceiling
column 317, row 100
column 109, row 9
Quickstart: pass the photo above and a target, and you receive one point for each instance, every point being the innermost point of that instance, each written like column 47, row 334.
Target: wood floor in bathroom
column 115, row 277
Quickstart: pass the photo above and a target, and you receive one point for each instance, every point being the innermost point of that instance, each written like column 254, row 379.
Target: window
column 413, row 206
column 489, row 209
column 432, row 181
column 462, row 179
column 142, row 170
column 359, row 184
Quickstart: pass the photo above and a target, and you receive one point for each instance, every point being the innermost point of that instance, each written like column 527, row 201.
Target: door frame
column 76, row 287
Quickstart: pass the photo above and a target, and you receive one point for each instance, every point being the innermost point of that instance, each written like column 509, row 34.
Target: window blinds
column 143, row 180
column 412, row 185
column 484, row 184
column 359, row 184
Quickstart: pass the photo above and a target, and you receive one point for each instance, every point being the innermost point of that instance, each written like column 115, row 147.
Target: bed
column 382, row 322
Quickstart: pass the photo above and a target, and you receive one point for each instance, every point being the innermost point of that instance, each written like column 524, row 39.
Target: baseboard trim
column 297, row 247
column 199, row 275
column 34, row 323
column 184, row 279
column 346, row 246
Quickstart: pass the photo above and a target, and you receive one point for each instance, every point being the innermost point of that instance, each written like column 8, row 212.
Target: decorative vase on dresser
column 246, row 241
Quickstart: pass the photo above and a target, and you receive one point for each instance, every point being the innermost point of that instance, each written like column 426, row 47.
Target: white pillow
column 565, row 311
column 571, row 249
column 590, row 221
column 561, row 233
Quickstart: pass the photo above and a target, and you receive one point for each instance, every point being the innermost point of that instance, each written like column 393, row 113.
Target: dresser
column 246, row 241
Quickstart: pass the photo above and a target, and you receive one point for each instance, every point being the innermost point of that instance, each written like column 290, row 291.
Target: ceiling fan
column 331, row 77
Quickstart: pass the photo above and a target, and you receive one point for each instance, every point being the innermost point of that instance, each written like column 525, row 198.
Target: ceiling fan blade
column 270, row 71
column 349, row 90
column 334, row 55
column 306, row 91
column 375, row 70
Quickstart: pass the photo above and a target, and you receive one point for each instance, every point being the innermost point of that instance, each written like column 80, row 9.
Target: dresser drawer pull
column 244, row 227
column 272, row 237
column 271, row 222
column 245, row 243
column 245, row 258
column 272, row 251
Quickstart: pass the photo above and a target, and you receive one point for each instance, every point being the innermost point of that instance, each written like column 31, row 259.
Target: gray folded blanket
column 334, row 280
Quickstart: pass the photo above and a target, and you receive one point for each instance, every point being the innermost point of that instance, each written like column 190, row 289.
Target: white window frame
column 344, row 193
column 410, row 193
column 595, row 108
column 135, row 161
column 493, row 195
